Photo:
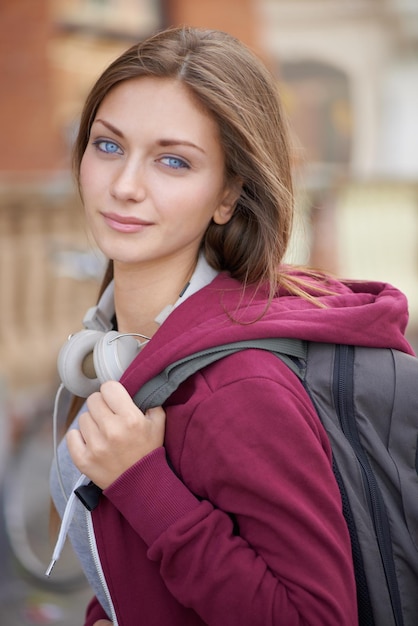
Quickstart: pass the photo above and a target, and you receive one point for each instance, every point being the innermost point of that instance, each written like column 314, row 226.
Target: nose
column 129, row 182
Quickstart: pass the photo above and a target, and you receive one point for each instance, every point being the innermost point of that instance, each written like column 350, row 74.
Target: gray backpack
column 367, row 400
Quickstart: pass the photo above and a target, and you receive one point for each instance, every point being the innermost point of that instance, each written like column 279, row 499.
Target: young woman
column 221, row 507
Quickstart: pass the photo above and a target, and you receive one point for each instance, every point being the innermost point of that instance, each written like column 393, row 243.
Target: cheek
column 91, row 185
column 90, row 170
column 195, row 202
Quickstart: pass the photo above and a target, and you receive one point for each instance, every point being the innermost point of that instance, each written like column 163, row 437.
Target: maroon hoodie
column 237, row 521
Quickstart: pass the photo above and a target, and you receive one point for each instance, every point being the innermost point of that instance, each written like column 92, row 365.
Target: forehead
column 166, row 99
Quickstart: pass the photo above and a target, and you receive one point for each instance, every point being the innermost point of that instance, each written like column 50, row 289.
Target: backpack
column 367, row 400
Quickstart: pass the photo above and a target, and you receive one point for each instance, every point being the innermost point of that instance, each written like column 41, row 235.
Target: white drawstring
column 61, row 388
column 65, row 523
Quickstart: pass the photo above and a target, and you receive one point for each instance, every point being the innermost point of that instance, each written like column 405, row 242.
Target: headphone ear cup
column 113, row 354
column 73, row 366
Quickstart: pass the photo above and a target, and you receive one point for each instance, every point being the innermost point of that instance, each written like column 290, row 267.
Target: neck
column 142, row 293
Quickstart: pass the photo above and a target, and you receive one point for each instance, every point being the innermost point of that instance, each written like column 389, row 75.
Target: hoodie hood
column 370, row 314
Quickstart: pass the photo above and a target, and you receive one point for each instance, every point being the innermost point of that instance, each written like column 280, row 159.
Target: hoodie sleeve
column 265, row 543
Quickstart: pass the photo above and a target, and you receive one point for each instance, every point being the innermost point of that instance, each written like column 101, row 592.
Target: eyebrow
column 161, row 142
column 112, row 128
column 179, row 142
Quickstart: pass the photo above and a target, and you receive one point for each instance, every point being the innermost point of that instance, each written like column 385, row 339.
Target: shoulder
column 249, row 366
column 244, row 417
column 251, row 390
column 257, row 378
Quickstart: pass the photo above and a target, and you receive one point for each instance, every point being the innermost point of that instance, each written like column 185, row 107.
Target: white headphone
column 98, row 353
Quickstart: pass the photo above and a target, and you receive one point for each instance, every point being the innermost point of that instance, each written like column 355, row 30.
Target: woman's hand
column 113, row 434
column 102, row 622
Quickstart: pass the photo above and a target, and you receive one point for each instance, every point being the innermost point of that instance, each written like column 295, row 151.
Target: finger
column 98, row 407
column 118, row 399
column 88, row 426
column 156, row 414
column 120, row 402
column 76, row 445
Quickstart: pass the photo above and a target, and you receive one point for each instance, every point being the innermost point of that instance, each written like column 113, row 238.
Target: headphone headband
column 99, row 317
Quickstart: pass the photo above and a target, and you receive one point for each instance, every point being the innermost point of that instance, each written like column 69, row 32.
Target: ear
column 226, row 208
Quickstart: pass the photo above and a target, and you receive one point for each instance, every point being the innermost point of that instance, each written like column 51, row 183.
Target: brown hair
column 236, row 88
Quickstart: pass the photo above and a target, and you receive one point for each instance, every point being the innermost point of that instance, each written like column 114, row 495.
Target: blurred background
column 348, row 75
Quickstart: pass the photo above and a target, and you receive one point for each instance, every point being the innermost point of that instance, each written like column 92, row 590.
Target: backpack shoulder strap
column 154, row 392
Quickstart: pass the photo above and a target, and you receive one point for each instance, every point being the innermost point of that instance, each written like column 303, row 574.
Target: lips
column 124, row 224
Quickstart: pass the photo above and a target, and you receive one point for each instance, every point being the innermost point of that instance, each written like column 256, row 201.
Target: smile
column 124, row 224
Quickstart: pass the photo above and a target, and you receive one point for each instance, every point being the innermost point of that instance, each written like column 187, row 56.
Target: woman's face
column 152, row 175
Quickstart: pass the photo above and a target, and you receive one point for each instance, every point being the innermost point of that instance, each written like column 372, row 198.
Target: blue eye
column 109, row 147
column 174, row 162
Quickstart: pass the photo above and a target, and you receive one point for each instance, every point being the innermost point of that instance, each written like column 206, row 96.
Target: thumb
column 156, row 414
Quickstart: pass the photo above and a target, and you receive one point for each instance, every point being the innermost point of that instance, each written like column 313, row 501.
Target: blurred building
column 51, row 51
column 348, row 73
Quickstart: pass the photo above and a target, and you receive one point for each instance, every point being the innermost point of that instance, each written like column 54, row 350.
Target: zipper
column 96, row 559
column 343, row 391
